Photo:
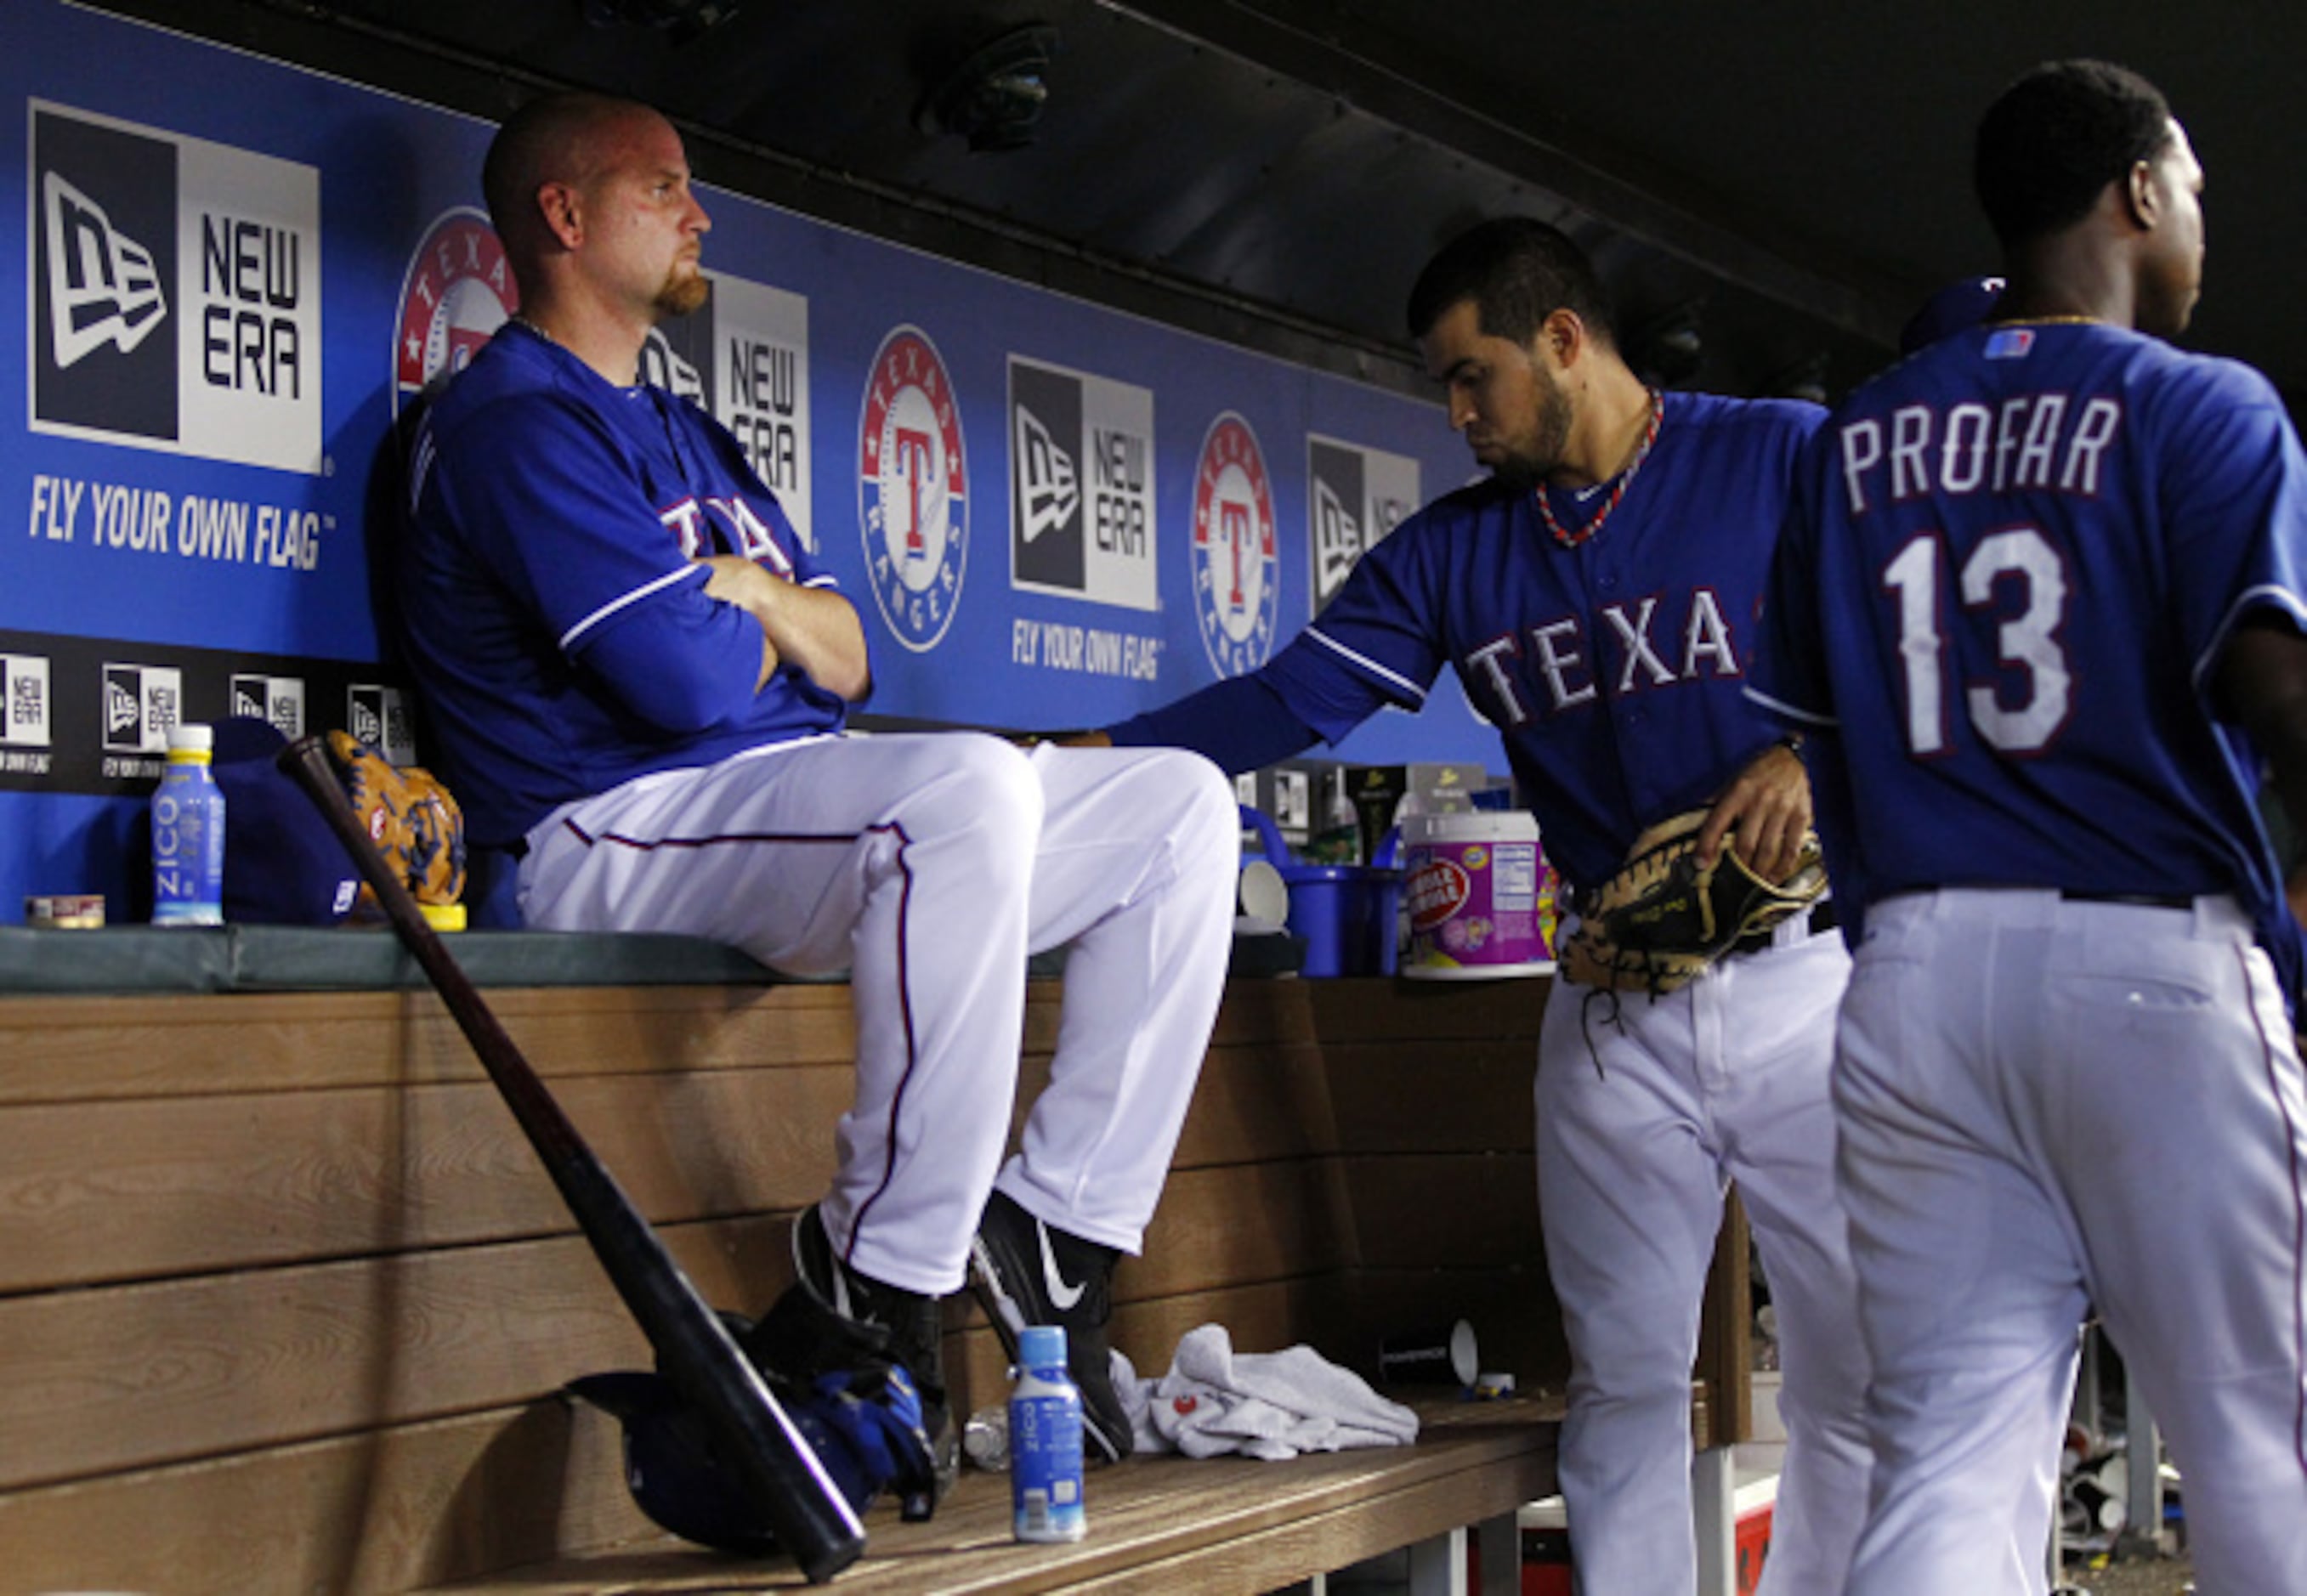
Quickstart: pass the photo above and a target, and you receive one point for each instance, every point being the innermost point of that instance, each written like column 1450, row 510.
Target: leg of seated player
column 1970, row 1287
column 906, row 860
column 1777, row 1128
column 1630, row 1198
column 1135, row 869
column 2186, row 1157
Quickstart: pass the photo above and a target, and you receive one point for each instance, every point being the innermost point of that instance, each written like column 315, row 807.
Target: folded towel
column 1270, row 1405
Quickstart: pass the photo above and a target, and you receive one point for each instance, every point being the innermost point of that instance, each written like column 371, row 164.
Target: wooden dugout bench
column 286, row 1301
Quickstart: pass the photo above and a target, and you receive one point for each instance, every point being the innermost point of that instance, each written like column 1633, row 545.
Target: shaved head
column 553, row 138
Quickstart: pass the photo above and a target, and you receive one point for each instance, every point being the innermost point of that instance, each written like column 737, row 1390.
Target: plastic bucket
column 1476, row 899
column 1345, row 912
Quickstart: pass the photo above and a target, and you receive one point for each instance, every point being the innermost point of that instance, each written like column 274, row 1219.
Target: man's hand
column 816, row 629
column 1768, row 808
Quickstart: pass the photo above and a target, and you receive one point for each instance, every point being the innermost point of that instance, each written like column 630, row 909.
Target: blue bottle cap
column 1040, row 1345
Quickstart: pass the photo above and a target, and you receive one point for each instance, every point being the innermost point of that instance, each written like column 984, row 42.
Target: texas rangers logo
column 1236, row 573
column 458, row 290
column 913, row 503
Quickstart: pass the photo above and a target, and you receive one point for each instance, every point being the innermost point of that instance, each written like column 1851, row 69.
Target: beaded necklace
column 1571, row 540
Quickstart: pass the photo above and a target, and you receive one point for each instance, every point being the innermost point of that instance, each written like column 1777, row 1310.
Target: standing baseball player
column 1593, row 596
column 638, row 678
column 2045, row 578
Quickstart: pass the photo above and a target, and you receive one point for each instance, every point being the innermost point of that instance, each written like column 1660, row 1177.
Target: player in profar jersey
column 2040, row 606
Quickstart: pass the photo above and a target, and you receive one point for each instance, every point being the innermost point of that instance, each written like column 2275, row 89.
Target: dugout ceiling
column 1786, row 180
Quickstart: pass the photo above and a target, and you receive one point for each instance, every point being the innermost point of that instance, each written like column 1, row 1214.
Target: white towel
column 1262, row 1404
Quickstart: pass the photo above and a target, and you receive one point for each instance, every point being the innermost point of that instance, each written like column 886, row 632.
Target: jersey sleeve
column 1788, row 678
column 1378, row 642
column 2235, row 501
column 546, row 500
column 1238, row 724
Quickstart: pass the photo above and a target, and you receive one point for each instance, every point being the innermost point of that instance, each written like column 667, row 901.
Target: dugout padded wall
column 237, row 274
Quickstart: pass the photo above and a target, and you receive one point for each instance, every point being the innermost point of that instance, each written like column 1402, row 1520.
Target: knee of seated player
column 1208, row 824
column 981, row 790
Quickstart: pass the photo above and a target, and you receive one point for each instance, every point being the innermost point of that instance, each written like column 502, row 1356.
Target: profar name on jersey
column 2029, row 442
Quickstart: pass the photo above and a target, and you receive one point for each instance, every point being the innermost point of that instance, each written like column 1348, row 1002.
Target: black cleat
column 849, row 1320
column 1028, row 1272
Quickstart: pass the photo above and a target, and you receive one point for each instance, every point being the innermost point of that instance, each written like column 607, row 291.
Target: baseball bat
column 812, row 1518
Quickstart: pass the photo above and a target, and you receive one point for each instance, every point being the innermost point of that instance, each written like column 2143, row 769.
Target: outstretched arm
column 1238, row 724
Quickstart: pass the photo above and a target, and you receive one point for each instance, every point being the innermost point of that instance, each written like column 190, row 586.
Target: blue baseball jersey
column 555, row 618
column 1614, row 669
column 2013, row 562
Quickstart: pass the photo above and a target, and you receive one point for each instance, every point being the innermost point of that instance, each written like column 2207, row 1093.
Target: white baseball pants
column 2046, row 1104
column 929, row 867
column 1642, row 1120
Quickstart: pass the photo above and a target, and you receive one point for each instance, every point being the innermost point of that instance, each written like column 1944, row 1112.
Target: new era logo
column 103, row 287
column 1081, row 499
column 1049, row 491
column 175, row 292
column 103, row 279
column 24, row 716
column 662, row 366
column 140, row 704
column 1356, row 497
column 277, row 699
column 376, row 715
column 123, row 709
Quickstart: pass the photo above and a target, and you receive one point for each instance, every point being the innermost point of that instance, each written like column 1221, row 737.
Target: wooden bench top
column 1156, row 1523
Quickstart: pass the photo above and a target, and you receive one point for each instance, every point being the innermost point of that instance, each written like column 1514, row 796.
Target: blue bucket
column 1345, row 912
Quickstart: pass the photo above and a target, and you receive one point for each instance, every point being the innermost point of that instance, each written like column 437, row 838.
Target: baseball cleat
column 1025, row 1272
column 852, row 1322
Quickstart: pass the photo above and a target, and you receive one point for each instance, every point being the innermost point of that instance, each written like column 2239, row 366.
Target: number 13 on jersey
column 2013, row 581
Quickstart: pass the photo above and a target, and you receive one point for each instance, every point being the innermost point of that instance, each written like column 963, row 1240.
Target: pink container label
column 1476, row 905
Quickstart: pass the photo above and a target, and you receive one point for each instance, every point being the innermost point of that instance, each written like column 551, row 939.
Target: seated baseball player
column 637, row 677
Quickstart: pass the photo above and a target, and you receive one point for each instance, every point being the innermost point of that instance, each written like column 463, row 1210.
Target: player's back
column 2025, row 543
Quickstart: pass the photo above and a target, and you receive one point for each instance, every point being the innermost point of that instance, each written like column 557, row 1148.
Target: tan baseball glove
column 1656, row 924
column 409, row 816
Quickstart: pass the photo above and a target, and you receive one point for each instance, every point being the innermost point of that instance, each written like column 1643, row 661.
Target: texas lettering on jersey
column 1553, row 666
column 1614, row 671
column 695, row 520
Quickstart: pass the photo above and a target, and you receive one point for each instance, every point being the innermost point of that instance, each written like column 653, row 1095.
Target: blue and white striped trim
column 1808, row 717
column 568, row 638
column 1393, row 677
column 2286, row 601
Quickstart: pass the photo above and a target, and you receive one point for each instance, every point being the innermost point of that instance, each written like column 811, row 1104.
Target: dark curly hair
column 2051, row 143
column 1518, row 271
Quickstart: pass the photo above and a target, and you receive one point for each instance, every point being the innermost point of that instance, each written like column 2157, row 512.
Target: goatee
column 681, row 295
column 1516, row 473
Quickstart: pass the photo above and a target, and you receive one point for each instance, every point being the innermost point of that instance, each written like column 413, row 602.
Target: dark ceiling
column 1793, row 175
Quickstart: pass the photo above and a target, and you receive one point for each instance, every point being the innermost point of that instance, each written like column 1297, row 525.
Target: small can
column 64, row 912
column 1045, row 1441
